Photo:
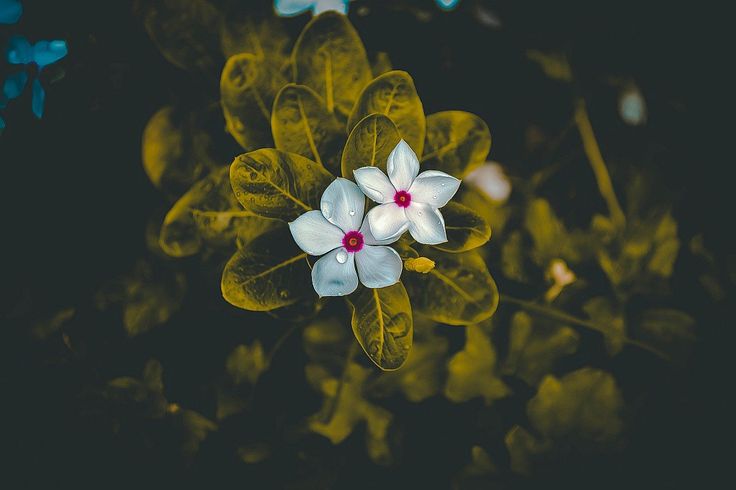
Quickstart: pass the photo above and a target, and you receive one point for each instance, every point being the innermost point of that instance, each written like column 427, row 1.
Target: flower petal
column 288, row 8
column 340, row 6
column 402, row 166
column 20, row 51
column 38, row 98
column 374, row 184
column 387, row 221
column 48, row 52
column 426, row 223
column 369, row 239
column 333, row 276
column 343, row 204
column 378, row 267
column 434, row 188
column 314, row 234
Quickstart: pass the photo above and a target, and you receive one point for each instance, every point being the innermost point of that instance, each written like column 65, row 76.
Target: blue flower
column 42, row 54
column 447, row 4
column 10, row 11
column 289, row 8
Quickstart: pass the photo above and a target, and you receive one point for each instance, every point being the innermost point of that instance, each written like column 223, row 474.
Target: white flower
column 339, row 232
column 406, row 200
column 491, row 180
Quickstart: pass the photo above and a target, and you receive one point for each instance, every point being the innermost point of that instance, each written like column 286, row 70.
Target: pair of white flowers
column 407, row 200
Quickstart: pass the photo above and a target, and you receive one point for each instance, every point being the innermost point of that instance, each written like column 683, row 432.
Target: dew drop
column 434, row 197
column 443, row 184
column 342, row 256
column 352, row 212
column 419, row 213
column 327, row 209
column 284, row 294
column 253, row 176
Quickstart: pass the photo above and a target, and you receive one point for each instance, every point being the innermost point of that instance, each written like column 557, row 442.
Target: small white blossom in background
column 631, row 106
column 339, row 233
column 561, row 276
column 407, row 199
column 491, row 180
column 289, row 8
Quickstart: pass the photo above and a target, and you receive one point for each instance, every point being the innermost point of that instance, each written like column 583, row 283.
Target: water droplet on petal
column 352, row 212
column 342, row 256
column 434, row 197
column 443, row 184
column 327, row 209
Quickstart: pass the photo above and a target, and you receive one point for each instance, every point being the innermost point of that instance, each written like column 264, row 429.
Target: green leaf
column 329, row 57
column 457, row 142
column 301, row 124
column 344, row 407
column 421, row 376
column 382, row 323
column 268, row 273
column 183, row 31
column 369, row 144
column 604, row 313
column 393, row 94
column 458, row 291
column 580, row 411
column 585, row 405
column 246, row 363
column 275, row 184
column 168, row 156
column 472, row 372
column 535, row 347
column 148, row 296
column 466, row 229
column 208, row 213
column 248, row 86
column 666, row 330
column 666, row 247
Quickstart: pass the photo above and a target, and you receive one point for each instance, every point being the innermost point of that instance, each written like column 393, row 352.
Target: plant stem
column 561, row 316
column 593, row 152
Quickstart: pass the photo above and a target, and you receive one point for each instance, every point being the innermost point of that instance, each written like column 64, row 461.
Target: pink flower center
column 402, row 199
column 353, row 241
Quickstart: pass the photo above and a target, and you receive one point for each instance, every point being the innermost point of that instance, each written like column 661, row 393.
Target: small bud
column 420, row 264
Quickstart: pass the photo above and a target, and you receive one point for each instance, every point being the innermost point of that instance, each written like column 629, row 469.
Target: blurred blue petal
column 10, row 11
column 447, row 4
column 3, row 101
column 47, row 52
column 14, row 85
column 632, row 107
column 287, row 8
column 19, row 51
column 39, row 97
column 2, row 124
column 340, row 6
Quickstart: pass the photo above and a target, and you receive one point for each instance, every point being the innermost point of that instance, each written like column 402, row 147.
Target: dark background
column 76, row 202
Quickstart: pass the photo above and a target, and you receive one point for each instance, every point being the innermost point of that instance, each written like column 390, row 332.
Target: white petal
column 434, row 188
column 369, row 239
column 402, row 166
column 387, row 221
column 314, row 234
column 378, row 267
column 333, row 276
column 374, row 184
column 340, row 6
column 426, row 223
column 343, row 204
column 491, row 180
column 292, row 7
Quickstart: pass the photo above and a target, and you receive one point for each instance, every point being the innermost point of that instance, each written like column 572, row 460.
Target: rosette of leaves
column 332, row 117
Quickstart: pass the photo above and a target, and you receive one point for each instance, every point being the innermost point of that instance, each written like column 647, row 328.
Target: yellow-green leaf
column 457, row 142
column 369, row 144
column 472, row 372
column 603, row 312
column 246, row 363
column 466, row 229
column 382, row 323
column 276, row 184
column 584, row 404
column 168, row 159
column 268, row 273
column 535, row 346
column 208, row 214
column 248, row 86
column 183, row 31
column 458, row 291
column 393, row 94
column 301, row 124
column 263, row 37
column 330, row 58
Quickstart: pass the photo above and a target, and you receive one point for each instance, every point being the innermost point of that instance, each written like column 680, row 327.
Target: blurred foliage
column 538, row 370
